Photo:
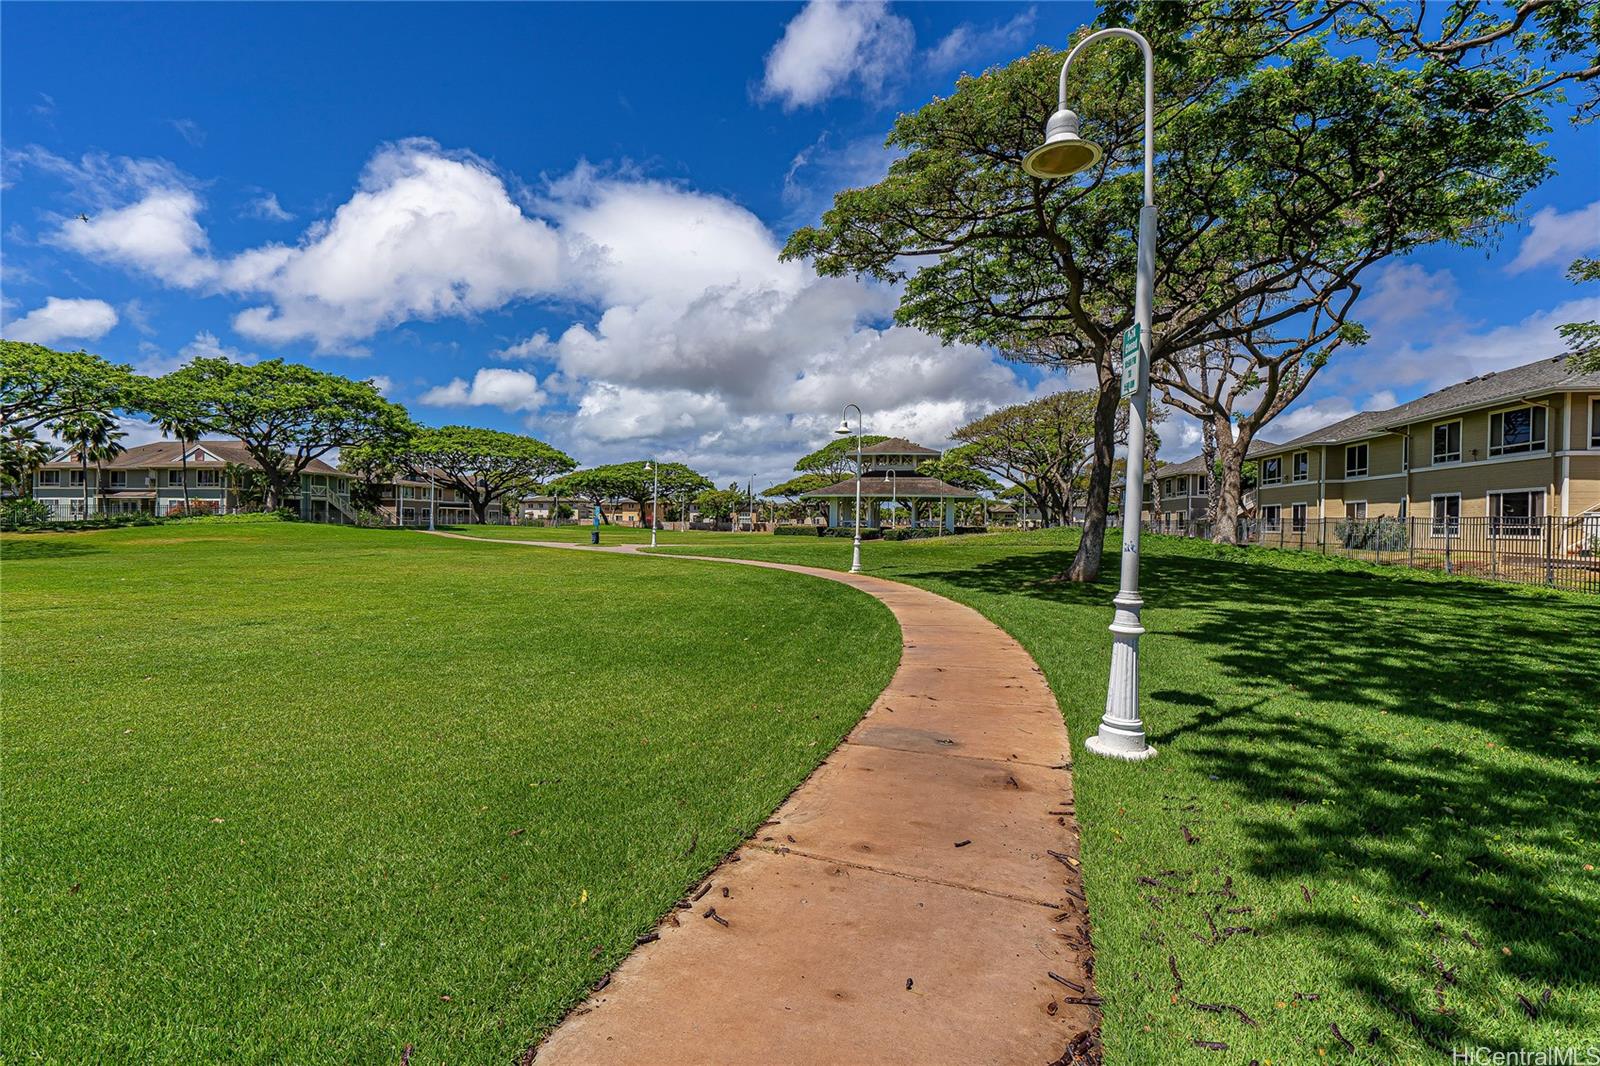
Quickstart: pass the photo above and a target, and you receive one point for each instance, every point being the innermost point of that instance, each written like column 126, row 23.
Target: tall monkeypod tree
column 1278, row 185
column 40, row 386
column 285, row 414
column 1041, row 447
column 485, row 465
column 631, row 481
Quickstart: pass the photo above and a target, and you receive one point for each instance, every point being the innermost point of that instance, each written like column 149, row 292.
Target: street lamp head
column 648, row 467
column 843, row 429
column 1063, row 152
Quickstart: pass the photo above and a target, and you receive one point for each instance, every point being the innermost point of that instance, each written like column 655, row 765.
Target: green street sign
column 1130, row 360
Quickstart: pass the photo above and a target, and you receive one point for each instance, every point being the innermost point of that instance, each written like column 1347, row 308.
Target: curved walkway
column 916, row 900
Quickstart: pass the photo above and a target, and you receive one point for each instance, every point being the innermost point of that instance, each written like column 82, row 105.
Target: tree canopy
column 285, row 414
column 483, row 465
column 40, row 386
column 631, row 481
column 720, row 505
column 1583, row 338
column 837, row 458
column 955, row 468
column 1041, row 447
column 801, row 484
column 1278, row 184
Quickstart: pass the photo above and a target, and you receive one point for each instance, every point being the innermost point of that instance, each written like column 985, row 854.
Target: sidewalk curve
column 916, row 900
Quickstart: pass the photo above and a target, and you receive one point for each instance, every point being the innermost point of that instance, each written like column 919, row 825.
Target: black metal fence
column 1558, row 552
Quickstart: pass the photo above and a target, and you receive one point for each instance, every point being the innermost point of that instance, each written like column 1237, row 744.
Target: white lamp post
column 655, row 494
column 844, row 431
column 430, row 500
column 1064, row 153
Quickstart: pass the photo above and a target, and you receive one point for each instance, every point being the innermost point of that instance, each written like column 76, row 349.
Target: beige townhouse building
column 156, row 478
column 1514, row 453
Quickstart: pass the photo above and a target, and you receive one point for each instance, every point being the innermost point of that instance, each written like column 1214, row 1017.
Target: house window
column 1594, row 423
column 174, row 478
column 1297, row 518
column 1301, row 465
column 206, row 479
column 49, row 477
column 1447, row 515
column 1201, row 491
column 75, row 478
column 1355, row 461
column 1356, row 510
column 117, row 479
column 1516, row 514
column 1520, row 429
column 1447, row 442
column 1271, row 517
column 1272, row 471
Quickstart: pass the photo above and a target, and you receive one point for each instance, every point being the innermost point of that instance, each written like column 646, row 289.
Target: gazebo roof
column 905, row 487
column 897, row 446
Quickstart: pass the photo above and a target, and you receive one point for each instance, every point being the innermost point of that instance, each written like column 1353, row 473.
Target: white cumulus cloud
column 509, row 390
column 830, row 47
column 1555, row 238
column 63, row 319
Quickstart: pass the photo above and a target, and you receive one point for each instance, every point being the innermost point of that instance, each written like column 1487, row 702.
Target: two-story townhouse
column 151, row 478
column 1185, row 495
column 1507, row 449
column 414, row 497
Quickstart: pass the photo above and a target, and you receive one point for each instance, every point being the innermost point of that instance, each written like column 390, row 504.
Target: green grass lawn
column 1389, row 780
column 279, row 792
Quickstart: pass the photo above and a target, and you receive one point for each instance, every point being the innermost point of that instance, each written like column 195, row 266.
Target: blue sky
column 564, row 219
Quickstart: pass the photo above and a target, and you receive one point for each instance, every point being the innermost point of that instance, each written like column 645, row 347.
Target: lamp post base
column 855, row 556
column 1128, row 749
column 1121, row 734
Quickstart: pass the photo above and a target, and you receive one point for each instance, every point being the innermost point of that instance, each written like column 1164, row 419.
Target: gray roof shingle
column 1529, row 380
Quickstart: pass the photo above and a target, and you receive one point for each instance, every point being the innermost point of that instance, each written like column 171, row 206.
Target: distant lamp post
column 1063, row 154
column 844, row 431
column 655, row 494
column 894, row 499
column 430, row 500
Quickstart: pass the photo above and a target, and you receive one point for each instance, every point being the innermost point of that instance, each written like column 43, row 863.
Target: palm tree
column 186, row 431
column 20, row 454
column 95, row 436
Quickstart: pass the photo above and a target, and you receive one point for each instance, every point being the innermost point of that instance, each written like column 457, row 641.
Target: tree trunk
column 1229, row 491
column 1086, row 563
column 85, row 459
column 183, row 458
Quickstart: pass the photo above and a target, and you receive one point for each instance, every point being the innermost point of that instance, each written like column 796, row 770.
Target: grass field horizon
column 279, row 791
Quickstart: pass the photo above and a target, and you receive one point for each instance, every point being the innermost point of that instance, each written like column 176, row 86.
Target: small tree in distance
column 484, row 465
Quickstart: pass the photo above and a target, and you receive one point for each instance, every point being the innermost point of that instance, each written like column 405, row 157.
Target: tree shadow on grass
column 1414, row 739
column 45, row 546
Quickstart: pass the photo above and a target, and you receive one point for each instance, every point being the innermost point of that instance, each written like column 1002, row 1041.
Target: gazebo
column 889, row 474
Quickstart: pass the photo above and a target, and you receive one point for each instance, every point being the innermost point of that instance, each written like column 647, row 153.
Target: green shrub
column 849, row 531
column 798, row 531
column 23, row 514
column 908, row 533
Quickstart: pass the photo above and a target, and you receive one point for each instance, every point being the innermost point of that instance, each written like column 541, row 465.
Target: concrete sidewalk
column 916, row 900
